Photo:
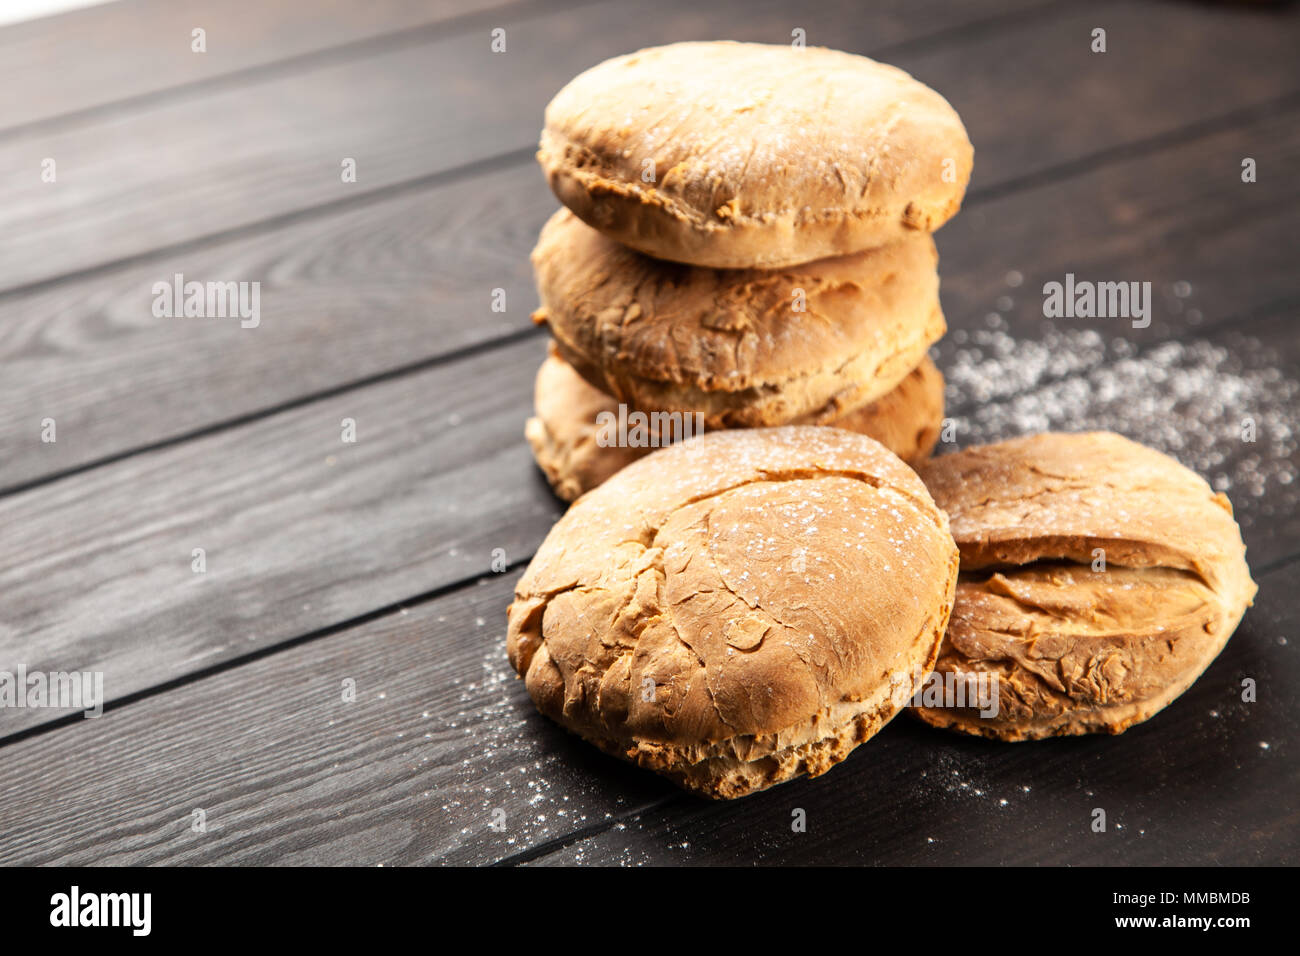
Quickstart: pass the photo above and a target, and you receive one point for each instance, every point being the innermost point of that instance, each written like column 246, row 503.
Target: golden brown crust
column 906, row 420
column 740, row 155
column 744, row 347
column 1079, row 650
column 564, row 432
column 738, row 608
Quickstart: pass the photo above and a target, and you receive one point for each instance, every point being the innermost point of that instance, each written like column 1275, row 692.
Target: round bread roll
column 742, row 155
column 566, row 430
column 739, row 608
column 744, row 347
column 1099, row 579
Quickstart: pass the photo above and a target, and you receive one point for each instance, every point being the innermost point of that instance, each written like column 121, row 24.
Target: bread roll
column 742, row 155
column 1099, row 579
column 737, row 609
column 744, row 347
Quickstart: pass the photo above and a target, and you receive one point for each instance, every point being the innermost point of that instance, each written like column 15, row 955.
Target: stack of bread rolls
column 745, row 242
column 748, row 606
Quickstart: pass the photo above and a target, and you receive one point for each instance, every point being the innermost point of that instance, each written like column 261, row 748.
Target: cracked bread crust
column 739, row 608
column 746, row 155
column 563, row 431
column 1075, row 650
column 730, row 344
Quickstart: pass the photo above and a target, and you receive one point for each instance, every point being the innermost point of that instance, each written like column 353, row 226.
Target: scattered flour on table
column 1189, row 399
column 506, row 766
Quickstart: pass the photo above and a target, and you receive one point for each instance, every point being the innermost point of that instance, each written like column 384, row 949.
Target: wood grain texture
column 228, row 167
column 441, row 735
column 1178, row 212
column 98, row 50
column 367, row 290
column 300, row 530
column 344, row 297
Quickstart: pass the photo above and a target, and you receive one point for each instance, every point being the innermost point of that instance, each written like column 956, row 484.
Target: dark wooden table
column 388, row 562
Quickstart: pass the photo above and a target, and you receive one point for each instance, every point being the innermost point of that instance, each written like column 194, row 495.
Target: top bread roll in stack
column 746, row 243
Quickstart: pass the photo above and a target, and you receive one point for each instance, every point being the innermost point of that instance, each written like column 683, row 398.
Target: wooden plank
column 442, row 734
column 300, row 529
column 238, row 156
column 1208, row 781
column 364, row 291
column 251, row 35
column 346, row 297
column 1178, row 213
column 92, row 58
